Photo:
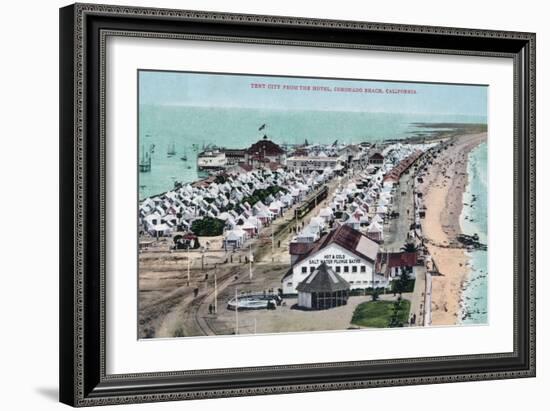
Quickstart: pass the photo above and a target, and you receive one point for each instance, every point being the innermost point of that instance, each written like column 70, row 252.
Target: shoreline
column 473, row 304
column 443, row 189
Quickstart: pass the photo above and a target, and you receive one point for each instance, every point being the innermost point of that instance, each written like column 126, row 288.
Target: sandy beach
column 442, row 190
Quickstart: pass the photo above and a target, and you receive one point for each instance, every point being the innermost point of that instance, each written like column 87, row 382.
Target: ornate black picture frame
column 83, row 30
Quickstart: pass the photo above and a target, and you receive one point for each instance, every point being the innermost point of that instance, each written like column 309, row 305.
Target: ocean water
column 474, row 220
column 185, row 127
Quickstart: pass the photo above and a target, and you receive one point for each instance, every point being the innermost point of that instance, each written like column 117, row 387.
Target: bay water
column 189, row 128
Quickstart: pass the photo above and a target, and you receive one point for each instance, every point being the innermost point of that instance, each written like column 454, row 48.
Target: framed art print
column 262, row 204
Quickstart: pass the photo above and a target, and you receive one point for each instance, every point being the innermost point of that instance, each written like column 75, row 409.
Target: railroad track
column 198, row 302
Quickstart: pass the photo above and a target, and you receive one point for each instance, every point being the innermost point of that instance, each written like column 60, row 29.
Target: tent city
column 287, row 209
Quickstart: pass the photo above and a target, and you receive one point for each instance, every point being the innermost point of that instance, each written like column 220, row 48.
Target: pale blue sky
column 226, row 90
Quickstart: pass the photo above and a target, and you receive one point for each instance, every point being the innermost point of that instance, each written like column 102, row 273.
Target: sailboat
column 184, row 157
column 171, row 149
column 145, row 161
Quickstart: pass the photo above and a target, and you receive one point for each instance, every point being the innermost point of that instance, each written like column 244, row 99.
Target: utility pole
column 250, row 262
column 272, row 244
column 188, row 266
column 315, row 200
column 236, row 313
column 216, row 289
column 373, row 270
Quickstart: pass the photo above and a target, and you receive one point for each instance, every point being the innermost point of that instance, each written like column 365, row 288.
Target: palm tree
column 409, row 247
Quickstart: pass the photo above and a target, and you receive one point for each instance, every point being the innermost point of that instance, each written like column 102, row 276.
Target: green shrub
column 179, row 333
column 207, row 227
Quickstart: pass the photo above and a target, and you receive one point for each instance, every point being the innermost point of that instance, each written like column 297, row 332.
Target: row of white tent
column 240, row 230
column 181, row 206
column 366, row 206
column 177, row 209
column 162, row 214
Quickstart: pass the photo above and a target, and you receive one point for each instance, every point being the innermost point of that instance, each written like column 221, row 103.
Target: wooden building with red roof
column 346, row 251
column 264, row 152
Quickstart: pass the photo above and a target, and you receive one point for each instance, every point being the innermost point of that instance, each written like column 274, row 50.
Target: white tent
column 235, row 237
column 383, row 201
column 309, row 234
column 159, row 230
column 326, row 213
column 151, row 220
column 264, row 216
column 317, row 222
column 224, row 216
column 275, row 207
column 287, row 199
column 374, row 227
column 294, row 192
column 381, row 209
column 256, row 222
column 377, row 219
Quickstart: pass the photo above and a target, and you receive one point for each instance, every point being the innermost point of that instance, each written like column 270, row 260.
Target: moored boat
column 213, row 159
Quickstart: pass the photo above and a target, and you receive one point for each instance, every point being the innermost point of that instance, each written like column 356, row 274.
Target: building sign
column 334, row 259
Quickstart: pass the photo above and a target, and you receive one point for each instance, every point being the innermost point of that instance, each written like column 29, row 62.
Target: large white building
column 345, row 251
column 211, row 160
column 307, row 164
